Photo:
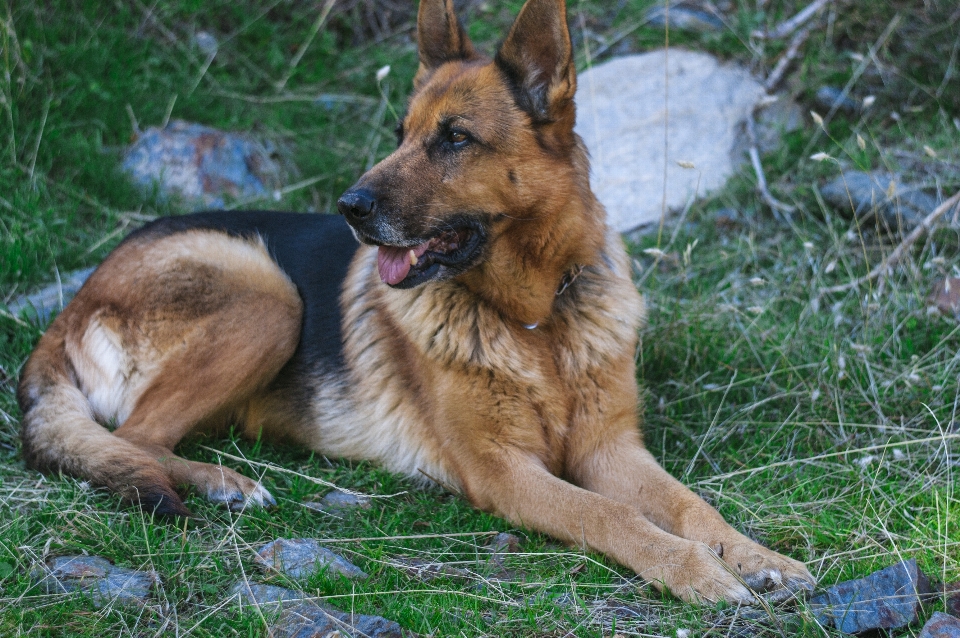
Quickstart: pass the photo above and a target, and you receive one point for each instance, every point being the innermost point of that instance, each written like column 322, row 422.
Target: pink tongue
column 393, row 263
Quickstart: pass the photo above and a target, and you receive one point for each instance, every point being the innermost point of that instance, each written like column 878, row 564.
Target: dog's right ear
column 440, row 37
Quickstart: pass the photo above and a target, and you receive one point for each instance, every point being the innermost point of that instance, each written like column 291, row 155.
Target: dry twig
column 899, row 251
column 754, row 152
column 789, row 26
column 793, row 49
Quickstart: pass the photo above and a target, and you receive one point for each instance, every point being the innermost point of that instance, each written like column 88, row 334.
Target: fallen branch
column 894, row 257
column 789, row 26
column 754, row 152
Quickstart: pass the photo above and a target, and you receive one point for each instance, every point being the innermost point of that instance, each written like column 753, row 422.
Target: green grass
column 815, row 424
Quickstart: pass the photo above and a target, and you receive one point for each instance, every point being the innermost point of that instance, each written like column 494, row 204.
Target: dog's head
column 488, row 172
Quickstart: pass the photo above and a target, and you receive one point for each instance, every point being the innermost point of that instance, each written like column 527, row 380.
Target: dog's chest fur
column 453, row 353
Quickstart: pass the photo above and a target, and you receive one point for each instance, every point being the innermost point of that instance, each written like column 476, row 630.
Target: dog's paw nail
column 262, row 497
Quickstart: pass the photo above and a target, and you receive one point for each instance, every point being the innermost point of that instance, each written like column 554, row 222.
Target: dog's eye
column 457, row 138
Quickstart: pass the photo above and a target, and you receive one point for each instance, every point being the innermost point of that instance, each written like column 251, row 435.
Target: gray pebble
column 337, row 501
column 303, row 557
column 830, row 96
column 504, row 543
column 941, row 626
column 96, row 576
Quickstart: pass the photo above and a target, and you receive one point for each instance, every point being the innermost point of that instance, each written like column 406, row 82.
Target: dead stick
column 898, row 252
column 789, row 26
column 793, row 49
column 754, row 152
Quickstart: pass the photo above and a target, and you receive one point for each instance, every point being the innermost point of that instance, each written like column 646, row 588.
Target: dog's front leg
column 519, row 487
column 620, row 468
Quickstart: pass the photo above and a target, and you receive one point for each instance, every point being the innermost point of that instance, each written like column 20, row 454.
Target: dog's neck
column 525, row 290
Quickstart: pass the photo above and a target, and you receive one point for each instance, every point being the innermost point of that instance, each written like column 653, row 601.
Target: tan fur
column 489, row 382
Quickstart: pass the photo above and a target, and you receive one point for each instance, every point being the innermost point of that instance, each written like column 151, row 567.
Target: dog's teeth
column 413, row 258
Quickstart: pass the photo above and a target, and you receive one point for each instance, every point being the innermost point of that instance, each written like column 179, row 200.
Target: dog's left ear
column 537, row 58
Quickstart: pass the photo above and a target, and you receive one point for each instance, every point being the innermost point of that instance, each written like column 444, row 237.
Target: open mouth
column 449, row 252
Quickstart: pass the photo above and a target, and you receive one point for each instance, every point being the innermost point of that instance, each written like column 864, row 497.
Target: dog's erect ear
column 537, row 57
column 440, row 37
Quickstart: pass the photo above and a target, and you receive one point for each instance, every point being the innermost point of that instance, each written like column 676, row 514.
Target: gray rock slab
column 302, row 617
column 621, row 115
column 886, row 599
column 303, row 557
column 864, row 194
column 941, row 626
column 104, row 582
column 41, row 305
column 201, row 165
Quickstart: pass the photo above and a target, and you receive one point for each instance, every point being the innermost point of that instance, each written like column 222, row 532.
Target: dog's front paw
column 236, row 491
column 766, row 572
column 698, row 575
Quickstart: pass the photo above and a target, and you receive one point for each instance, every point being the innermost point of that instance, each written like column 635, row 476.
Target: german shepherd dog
column 482, row 334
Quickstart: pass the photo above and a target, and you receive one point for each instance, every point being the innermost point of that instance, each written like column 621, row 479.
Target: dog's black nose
column 357, row 204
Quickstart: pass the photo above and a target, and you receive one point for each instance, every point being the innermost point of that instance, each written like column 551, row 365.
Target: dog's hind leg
column 218, row 362
column 226, row 359
column 170, row 335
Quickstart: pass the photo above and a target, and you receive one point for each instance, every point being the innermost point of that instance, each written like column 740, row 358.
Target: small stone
column 863, row 193
column 104, row 582
column 305, row 617
column 886, row 599
column 504, row 543
column 338, row 502
column 685, row 16
column 303, row 557
column 429, row 570
column 941, row 626
column 952, row 590
column 945, row 296
column 202, row 165
column 830, row 96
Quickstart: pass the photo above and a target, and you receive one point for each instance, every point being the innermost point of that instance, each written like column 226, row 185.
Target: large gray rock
column 621, row 115
column 201, row 165
column 887, row 599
